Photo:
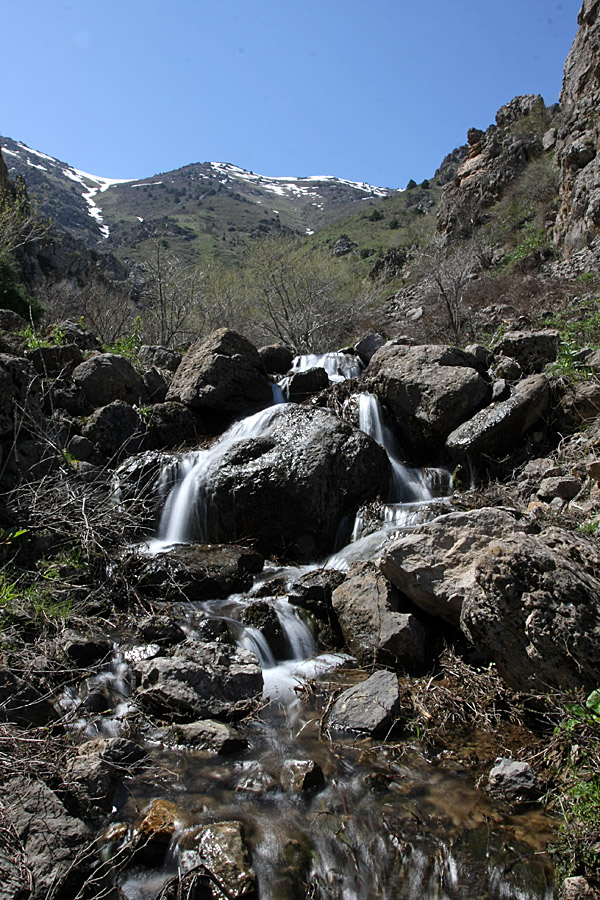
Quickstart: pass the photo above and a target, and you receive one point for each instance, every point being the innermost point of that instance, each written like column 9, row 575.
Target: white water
column 339, row 366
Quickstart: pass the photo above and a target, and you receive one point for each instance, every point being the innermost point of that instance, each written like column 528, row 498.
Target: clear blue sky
column 370, row 90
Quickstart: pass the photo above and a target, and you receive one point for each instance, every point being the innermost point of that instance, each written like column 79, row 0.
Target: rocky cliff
column 578, row 136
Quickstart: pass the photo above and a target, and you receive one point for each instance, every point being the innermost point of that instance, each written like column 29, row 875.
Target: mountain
column 203, row 207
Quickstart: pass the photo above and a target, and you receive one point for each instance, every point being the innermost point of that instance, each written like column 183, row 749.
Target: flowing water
column 390, row 819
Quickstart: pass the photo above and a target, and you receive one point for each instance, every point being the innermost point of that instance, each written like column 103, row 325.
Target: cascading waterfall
column 356, row 850
column 339, row 366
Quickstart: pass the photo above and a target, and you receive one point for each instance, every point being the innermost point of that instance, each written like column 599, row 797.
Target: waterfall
column 339, row 366
column 186, row 514
column 408, row 485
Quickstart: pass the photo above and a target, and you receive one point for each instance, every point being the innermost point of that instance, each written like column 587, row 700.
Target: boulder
column 370, row 706
column 200, row 681
column 262, row 615
column 290, row 487
column 222, row 848
column 513, row 781
column 498, row 428
column 531, row 349
column 20, row 396
column 374, row 628
column 276, row 358
column 56, row 851
column 142, row 482
column 207, row 735
column 107, row 377
column 161, row 630
column 160, row 357
column 565, row 487
column 430, row 390
column 156, row 384
column 52, row 360
column 71, row 332
column 171, row 425
column 434, row 565
column 12, row 321
column 301, row 776
column 92, row 775
column 116, row 430
column 22, row 702
column 532, row 606
column 222, row 374
column 368, row 346
column 193, row 571
column 301, row 385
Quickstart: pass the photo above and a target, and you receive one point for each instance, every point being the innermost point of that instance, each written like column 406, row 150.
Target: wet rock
column 223, row 374
column 160, row 357
column 222, row 848
column 531, row 349
column 566, row 487
column 54, row 848
column 142, row 482
column 200, row 681
column 107, row 377
column 194, row 571
column 301, row 775
column 154, row 833
column 429, row 389
column 368, row 346
column 499, row 427
column 374, row 628
column 116, row 430
column 434, row 565
column 290, row 488
column 20, row 396
column 171, row 425
column 52, row 360
column 310, row 381
column 261, row 615
column 530, row 604
column 513, row 781
column 208, row 735
column 276, row 358
column 370, row 706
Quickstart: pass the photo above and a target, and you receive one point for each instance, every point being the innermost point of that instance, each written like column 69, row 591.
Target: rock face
column 531, row 349
column 200, row 681
column 222, row 374
column 532, row 605
column 290, row 488
column 367, row 607
column 434, row 566
column 495, row 158
column 578, row 136
column 429, row 389
column 370, row 706
column 500, row 426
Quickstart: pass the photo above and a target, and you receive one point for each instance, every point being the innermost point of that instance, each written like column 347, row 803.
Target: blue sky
column 369, row 90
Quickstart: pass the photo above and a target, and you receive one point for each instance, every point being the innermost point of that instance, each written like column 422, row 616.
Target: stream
column 328, row 815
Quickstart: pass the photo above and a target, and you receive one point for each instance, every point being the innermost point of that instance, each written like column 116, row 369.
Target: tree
column 304, row 299
column 452, row 268
column 170, row 296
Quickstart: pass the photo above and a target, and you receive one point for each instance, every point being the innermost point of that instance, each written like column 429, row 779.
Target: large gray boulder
column 20, row 396
column 434, row 565
column 116, row 430
column 370, row 706
column 224, row 374
column 531, row 349
column 200, row 681
column 290, row 487
column 532, row 605
column 107, row 377
column 499, row 427
column 374, row 628
column 429, row 389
